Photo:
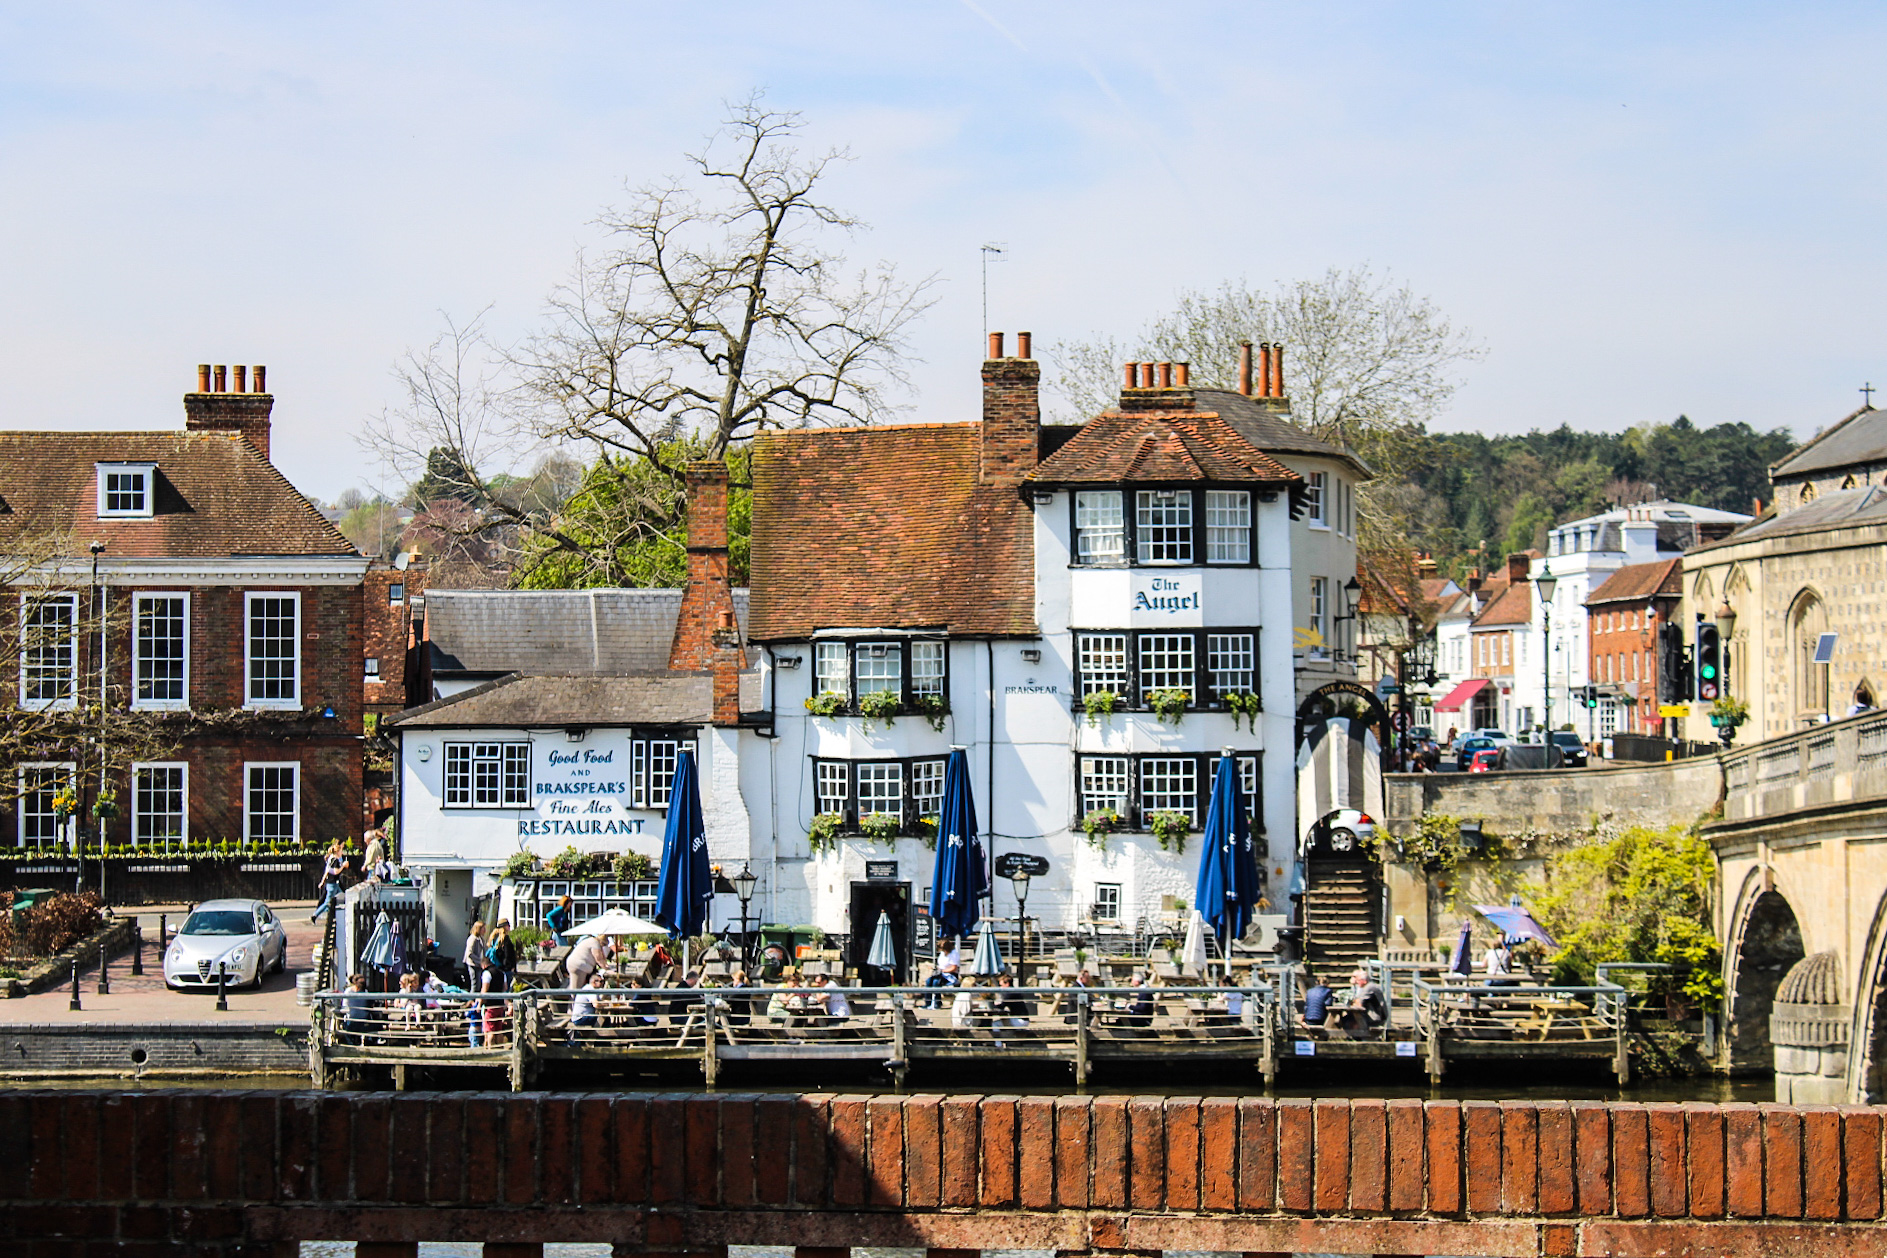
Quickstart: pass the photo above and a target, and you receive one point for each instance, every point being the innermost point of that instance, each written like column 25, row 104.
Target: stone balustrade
column 1838, row 763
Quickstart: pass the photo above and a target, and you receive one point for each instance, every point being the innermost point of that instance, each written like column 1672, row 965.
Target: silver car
column 244, row 936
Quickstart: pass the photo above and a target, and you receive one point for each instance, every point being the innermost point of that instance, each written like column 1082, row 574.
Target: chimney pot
column 1244, row 368
column 995, row 345
column 1133, row 370
column 222, row 379
column 261, row 375
column 1182, row 374
column 1166, row 375
column 203, row 377
column 242, row 378
column 1025, row 344
column 1277, row 369
column 1264, row 369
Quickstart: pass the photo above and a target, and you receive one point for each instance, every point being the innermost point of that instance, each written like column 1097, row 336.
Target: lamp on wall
column 575, row 735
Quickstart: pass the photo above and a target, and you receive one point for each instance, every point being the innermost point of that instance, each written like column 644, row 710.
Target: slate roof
column 1270, row 431
column 1859, row 437
column 494, row 632
column 1637, row 582
column 527, row 700
column 216, row 496
column 886, row 527
column 1160, row 446
column 1843, row 508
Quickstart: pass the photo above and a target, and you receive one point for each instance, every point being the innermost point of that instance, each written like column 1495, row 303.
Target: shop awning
column 1462, row 695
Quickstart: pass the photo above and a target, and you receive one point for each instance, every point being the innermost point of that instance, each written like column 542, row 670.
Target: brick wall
column 667, row 1172
column 387, row 635
column 1012, row 418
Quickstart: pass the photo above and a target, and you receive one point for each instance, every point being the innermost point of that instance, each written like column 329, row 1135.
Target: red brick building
column 227, row 608
column 1623, row 618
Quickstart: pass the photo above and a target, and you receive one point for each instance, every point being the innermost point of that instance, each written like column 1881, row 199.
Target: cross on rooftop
column 1867, row 394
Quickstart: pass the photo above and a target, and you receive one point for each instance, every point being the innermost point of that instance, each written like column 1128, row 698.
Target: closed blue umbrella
column 959, row 880
column 686, row 883
column 379, row 949
column 1463, row 960
column 395, row 963
column 988, row 959
column 884, row 950
column 1226, row 889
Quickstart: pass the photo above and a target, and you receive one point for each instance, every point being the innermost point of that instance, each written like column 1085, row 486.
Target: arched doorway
column 1767, row 947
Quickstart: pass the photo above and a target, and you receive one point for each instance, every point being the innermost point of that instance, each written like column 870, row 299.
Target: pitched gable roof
column 1637, row 582
column 886, row 527
column 1268, row 430
column 1160, row 446
column 1859, row 437
column 215, row 497
column 562, row 631
column 1512, row 606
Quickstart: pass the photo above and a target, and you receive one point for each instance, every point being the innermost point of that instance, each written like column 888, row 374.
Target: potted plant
column 1170, row 829
column 1169, row 705
column 827, row 703
column 934, row 709
column 880, row 705
column 1246, row 704
column 1098, row 824
column 630, row 867
column 881, row 825
column 927, row 830
column 823, row 833
column 1099, row 703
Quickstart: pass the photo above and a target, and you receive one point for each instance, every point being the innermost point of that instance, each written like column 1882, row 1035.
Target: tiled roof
column 1843, row 508
column 1160, row 446
column 562, row 631
column 1860, row 437
column 1637, row 582
column 1512, row 606
column 886, row 527
column 1268, row 430
column 529, row 701
column 215, row 496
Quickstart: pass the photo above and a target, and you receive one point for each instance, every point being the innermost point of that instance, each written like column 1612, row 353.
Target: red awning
column 1462, row 695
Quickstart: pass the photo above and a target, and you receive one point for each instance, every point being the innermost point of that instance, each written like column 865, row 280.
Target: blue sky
column 1640, row 210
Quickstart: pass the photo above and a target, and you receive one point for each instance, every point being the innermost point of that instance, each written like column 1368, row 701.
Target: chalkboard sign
column 1009, row 864
column 881, row 871
column 923, row 932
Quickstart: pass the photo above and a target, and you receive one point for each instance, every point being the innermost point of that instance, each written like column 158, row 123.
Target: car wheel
column 1343, row 840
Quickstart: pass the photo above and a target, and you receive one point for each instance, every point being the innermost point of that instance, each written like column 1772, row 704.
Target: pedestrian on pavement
column 376, row 852
column 590, row 955
column 474, row 958
column 329, row 888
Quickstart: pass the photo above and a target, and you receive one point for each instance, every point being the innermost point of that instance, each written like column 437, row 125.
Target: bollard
column 137, row 947
column 104, row 975
column 222, row 986
column 75, row 986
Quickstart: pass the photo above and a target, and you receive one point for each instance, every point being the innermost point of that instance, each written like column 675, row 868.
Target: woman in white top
column 960, row 1006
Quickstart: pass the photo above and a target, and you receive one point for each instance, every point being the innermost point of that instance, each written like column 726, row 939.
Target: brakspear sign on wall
column 581, row 791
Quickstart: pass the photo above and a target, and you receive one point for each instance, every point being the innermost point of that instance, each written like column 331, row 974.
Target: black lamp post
column 97, row 549
column 1020, row 882
column 743, row 887
column 1546, row 583
column 1726, row 625
column 1352, row 598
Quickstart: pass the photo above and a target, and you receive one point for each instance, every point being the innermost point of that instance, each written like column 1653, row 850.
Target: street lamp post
column 1020, row 882
column 1546, row 583
column 1726, row 625
column 743, row 887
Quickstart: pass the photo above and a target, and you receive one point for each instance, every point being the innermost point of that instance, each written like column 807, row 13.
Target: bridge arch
column 1765, row 943
column 1867, row 1038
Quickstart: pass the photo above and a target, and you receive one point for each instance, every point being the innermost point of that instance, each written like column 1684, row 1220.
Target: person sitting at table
column 1013, row 1008
column 1316, row 1000
column 785, row 1006
column 1139, row 1011
column 356, row 1009
column 831, row 999
column 1230, row 999
column 1499, row 963
column 963, row 1005
column 948, row 971
column 407, row 1009
column 1367, row 1008
column 583, row 1006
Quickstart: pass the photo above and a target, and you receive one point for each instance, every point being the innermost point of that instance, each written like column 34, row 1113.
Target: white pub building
column 1091, row 611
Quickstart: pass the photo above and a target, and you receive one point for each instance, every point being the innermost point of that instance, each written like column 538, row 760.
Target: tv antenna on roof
column 997, row 248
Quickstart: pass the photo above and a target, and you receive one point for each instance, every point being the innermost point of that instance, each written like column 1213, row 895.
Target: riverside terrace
column 541, row 1034
column 255, row 1174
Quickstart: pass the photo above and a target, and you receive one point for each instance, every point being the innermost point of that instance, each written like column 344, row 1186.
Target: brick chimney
column 707, row 635
column 1518, row 565
column 239, row 413
column 1157, row 387
column 1012, row 413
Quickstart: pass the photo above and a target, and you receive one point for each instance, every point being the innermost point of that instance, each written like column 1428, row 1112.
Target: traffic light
column 1671, row 688
column 1591, row 695
column 1709, row 661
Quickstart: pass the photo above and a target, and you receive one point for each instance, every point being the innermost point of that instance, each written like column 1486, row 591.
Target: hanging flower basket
column 1169, row 705
column 1170, row 829
column 1100, row 703
column 65, row 803
column 105, row 807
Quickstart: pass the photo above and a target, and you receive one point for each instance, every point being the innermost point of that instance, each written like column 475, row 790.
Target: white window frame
column 1107, row 900
column 1100, row 526
column 653, row 759
column 1228, row 526
column 832, row 783
column 249, row 818
column 28, row 601
column 1221, row 647
column 248, row 650
column 1168, row 768
column 881, row 774
column 138, row 657
column 147, row 474
column 1314, row 485
column 1100, row 776
column 62, row 827
column 878, row 668
column 927, row 651
column 1320, row 613
column 1158, row 654
column 372, row 672
column 463, row 757
column 141, row 767
column 1157, row 515
column 927, row 778
column 832, row 660
column 1095, row 679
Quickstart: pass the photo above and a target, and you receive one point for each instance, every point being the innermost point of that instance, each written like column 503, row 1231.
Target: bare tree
column 717, row 311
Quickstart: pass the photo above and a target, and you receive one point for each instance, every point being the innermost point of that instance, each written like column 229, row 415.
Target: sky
column 1638, row 210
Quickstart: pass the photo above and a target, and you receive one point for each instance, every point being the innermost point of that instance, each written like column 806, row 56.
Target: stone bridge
column 1802, row 908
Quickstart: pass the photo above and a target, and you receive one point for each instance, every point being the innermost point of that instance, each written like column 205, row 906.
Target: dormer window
column 125, row 490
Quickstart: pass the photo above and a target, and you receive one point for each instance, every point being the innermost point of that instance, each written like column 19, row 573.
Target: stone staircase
column 1340, row 904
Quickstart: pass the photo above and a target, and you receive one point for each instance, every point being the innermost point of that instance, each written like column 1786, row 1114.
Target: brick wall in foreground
column 254, row 1171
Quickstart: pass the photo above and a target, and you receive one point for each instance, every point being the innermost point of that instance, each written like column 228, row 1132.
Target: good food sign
column 581, row 792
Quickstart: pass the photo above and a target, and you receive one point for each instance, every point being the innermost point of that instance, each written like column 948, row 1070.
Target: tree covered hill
column 1502, row 493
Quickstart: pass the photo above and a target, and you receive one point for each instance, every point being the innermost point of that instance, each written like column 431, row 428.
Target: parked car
column 1571, row 750
column 1485, row 760
column 245, row 936
column 1421, row 733
column 1348, row 827
column 1500, row 738
column 1467, row 748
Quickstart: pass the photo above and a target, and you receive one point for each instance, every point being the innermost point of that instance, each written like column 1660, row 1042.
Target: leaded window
column 1163, row 525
